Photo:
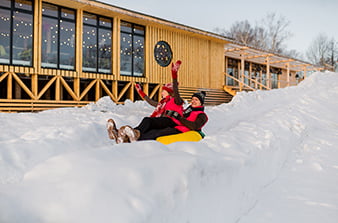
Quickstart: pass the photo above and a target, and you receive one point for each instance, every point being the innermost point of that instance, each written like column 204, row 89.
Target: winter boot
column 112, row 130
column 122, row 136
column 128, row 134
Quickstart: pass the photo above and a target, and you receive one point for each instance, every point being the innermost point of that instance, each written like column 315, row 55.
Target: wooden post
column 268, row 82
column 287, row 74
column 9, row 86
column 147, row 51
column 242, row 73
column 250, row 70
column 159, row 94
column 115, row 89
column 278, row 80
column 116, row 48
column 17, row 90
column 97, row 90
column 260, row 78
column 57, row 89
column 305, row 70
column 146, row 88
column 131, row 92
column 37, row 36
column 76, row 87
column 34, row 83
column 78, row 45
column 226, row 70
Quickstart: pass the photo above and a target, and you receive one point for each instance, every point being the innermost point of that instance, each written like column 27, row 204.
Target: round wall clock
column 162, row 53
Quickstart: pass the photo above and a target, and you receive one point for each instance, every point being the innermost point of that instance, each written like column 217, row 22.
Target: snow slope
column 269, row 156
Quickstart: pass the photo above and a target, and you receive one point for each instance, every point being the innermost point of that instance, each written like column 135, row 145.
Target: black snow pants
column 153, row 127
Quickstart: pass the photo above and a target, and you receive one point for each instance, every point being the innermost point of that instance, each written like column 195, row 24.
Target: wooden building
column 59, row 53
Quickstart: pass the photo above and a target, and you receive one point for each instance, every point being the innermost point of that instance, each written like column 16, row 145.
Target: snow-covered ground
column 268, row 157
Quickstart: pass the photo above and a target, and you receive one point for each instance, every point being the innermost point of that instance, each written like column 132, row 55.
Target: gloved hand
column 173, row 114
column 139, row 90
column 174, row 68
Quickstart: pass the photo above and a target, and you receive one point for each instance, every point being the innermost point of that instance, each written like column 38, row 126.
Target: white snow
column 268, row 157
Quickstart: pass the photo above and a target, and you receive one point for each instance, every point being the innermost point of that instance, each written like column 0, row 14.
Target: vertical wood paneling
column 202, row 59
column 78, row 44
column 116, row 47
column 37, row 35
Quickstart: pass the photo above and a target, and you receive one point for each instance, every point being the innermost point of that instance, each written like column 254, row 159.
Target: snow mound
column 60, row 166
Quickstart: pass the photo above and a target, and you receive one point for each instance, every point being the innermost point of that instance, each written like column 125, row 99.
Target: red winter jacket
column 194, row 120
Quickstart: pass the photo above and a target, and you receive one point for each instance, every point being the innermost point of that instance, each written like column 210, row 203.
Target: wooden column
column 131, row 92
column 242, row 72
column 279, row 80
column 260, row 78
column 97, row 90
column 76, row 87
column 58, row 89
column 145, row 88
column 268, row 78
column 115, row 89
column 250, row 70
column 37, row 35
column 226, row 70
column 305, row 71
column 10, row 86
column 34, row 83
column 287, row 74
column 116, row 49
column 78, row 45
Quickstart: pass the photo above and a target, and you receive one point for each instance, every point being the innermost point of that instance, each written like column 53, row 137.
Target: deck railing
column 247, row 83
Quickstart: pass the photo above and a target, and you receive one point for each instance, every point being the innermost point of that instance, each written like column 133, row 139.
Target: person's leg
column 149, row 123
column 154, row 133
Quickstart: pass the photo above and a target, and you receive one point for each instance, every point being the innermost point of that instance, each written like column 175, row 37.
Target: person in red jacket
column 158, row 119
column 193, row 118
column 174, row 122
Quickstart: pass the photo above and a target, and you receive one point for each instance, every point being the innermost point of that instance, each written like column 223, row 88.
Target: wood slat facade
column 201, row 53
column 36, row 87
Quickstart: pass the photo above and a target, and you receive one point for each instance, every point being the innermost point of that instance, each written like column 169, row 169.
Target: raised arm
column 174, row 70
column 144, row 96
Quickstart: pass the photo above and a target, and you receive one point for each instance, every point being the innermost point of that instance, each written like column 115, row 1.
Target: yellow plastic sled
column 190, row 136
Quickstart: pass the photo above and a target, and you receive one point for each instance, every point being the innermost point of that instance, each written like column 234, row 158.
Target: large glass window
column 97, row 42
column 58, row 37
column 232, row 71
column 274, row 77
column 16, row 32
column 132, row 49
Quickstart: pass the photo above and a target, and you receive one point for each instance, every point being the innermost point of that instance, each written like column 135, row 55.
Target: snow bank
column 59, row 165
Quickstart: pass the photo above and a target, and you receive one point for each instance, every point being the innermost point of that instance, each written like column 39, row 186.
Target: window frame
column 98, row 27
column 59, row 18
column 134, row 33
column 13, row 9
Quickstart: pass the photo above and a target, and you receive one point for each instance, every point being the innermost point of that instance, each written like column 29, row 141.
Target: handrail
column 246, row 85
column 240, row 82
column 259, row 83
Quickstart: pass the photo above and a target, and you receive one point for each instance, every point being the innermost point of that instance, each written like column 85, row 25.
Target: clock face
column 162, row 53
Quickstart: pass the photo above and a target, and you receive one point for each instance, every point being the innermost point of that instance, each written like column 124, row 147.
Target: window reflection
column 16, row 32
column 5, row 35
column 58, row 37
column 22, row 38
column 132, row 49
column 96, row 46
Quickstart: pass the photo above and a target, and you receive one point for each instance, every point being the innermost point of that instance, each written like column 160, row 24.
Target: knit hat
column 168, row 87
column 200, row 95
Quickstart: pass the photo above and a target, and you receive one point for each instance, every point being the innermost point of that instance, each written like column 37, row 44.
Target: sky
column 277, row 163
column 308, row 18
